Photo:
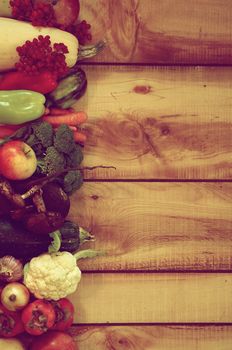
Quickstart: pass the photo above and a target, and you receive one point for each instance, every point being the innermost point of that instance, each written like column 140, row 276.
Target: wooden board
column 158, row 123
column 153, row 297
column 157, row 226
column 175, row 337
column 154, row 31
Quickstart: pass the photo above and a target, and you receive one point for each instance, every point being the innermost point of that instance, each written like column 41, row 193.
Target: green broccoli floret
column 63, row 139
column 39, row 136
column 74, row 158
column 35, row 144
column 43, row 131
column 72, row 181
column 52, row 162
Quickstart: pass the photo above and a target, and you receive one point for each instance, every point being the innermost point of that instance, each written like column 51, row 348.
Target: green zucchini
column 21, row 244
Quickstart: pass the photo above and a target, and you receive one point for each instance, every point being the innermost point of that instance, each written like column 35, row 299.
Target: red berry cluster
column 38, row 55
column 21, row 9
column 43, row 15
column 40, row 14
column 81, row 31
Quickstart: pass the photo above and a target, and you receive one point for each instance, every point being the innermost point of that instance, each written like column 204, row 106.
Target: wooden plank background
column 157, row 123
column 154, row 297
column 164, row 31
column 163, row 216
column 156, row 226
column 153, row 337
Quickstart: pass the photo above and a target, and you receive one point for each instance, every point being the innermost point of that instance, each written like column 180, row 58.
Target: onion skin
column 11, row 269
column 15, row 296
column 11, row 344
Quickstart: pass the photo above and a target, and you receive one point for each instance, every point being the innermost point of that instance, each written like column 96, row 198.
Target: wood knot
column 131, row 131
column 95, row 197
column 165, row 130
column 142, row 89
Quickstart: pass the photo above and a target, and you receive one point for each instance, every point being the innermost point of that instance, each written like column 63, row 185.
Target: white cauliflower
column 52, row 276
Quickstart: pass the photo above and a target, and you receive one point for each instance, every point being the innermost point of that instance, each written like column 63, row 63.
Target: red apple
column 17, row 160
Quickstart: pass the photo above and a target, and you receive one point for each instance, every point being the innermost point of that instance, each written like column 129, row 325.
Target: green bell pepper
column 20, row 106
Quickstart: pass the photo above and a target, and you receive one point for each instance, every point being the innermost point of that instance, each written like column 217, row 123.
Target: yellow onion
column 11, row 269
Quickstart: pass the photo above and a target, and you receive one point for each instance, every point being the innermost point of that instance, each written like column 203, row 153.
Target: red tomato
column 64, row 310
column 53, row 340
column 10, row 323
column 38, row 317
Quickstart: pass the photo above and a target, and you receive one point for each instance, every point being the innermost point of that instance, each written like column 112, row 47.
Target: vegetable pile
column 41, row 152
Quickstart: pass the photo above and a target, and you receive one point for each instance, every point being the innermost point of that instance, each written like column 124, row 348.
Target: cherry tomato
column 53, row 340
column 64, row 310
column 38, row 317
column 10, row 323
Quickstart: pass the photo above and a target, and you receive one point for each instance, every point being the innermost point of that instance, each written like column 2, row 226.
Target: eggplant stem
column 85, row 236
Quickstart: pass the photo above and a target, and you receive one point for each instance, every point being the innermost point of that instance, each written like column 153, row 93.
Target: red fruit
column 38, row 317
column 53, row 340
column 17, row 160
column 64, row 310
column 10, row 323
column 66, row 11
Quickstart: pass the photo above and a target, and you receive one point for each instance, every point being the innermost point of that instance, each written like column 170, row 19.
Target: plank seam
column 158, row 180
column 156, row 271
column 190, row 324
column 144, row 64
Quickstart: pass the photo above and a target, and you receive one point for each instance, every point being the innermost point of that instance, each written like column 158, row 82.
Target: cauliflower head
column 52, row 276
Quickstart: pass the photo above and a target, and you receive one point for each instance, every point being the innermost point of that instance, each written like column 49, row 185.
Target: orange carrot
column 79, row 137
column 60, row 111
column 73, row 128
column 47, row 111
column 69, row 119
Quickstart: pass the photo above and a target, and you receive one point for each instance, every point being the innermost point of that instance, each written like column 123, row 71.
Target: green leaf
column 25, row 269
column 56, row 242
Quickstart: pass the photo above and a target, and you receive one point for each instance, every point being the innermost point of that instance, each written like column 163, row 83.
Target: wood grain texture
column 153, row 337
column 153, row 297
column 154, row 31
column 157, row 226
column 159, row 123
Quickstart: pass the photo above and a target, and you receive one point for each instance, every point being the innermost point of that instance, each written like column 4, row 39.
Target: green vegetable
column 20, row 106
column 55, row 151
column 69, row 89
column 39, row 137
column 52, row 162
column 16, row 241
column 72, row 181
column 56, row 242
column 63, row 140
column 43, row 132
column 74, row 158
